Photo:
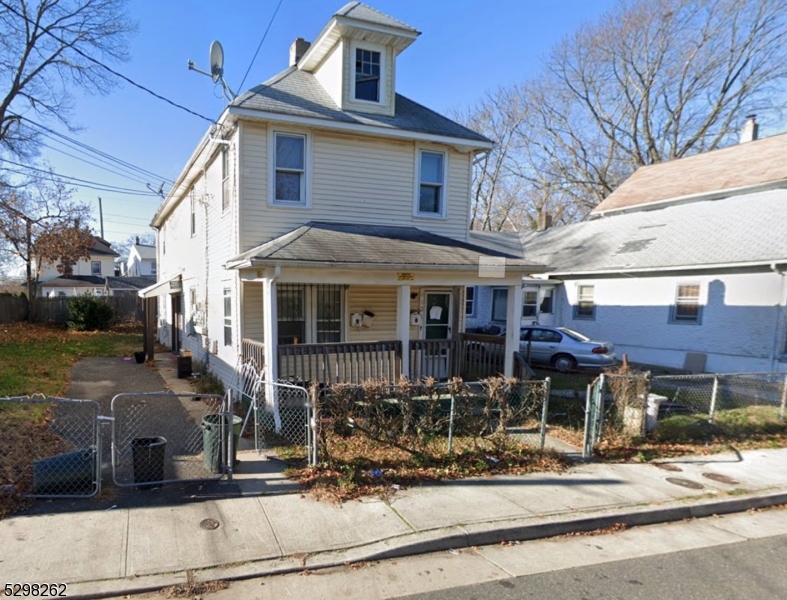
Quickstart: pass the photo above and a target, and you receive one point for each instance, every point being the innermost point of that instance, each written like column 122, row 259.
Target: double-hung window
column 367, row 75
column 95, row 268
column 470, row 301
column 529, row 303
column 687, row 307
column 225, row 179
column 228, row 316
column 585, row 307
column 289, row 181
column 431, row 184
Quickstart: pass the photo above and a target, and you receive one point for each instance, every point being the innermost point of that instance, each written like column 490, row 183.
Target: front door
column 437, row 320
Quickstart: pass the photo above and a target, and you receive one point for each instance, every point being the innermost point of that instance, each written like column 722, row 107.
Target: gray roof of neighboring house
column 361, row 12
column 739, row 229
column 298, row 93
column 130, row 283
column 740, row 166
column 74, row 281
column 374, row 245
column 146, row 252
column 101, row 246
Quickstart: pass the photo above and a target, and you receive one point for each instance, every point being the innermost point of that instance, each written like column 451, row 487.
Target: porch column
column 513, row 323
column 403, row 326
column 271, row 328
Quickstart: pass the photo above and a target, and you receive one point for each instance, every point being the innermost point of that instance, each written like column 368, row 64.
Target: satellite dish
column 216, row 61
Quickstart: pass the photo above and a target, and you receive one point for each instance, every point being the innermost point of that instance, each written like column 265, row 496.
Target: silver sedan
column 563, row 348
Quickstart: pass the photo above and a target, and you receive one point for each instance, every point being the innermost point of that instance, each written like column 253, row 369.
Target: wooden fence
column 55, row 310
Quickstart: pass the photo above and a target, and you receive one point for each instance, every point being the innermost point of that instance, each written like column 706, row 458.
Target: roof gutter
column 254, row 263
column 262, row 115
column 714, row 195
column 713, row 267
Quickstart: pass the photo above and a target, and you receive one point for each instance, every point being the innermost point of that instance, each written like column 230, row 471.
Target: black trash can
column 148, row 456
column 214, row 450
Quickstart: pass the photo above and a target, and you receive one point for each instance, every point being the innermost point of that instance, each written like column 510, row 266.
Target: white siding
column 742, row 323
column 329, row 73
column 355, row 180
column 82, row 267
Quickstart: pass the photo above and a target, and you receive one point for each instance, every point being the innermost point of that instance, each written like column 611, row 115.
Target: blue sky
column 466, row 48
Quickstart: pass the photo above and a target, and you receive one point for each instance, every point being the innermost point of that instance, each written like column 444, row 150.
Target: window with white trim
column 153, row 267
column 530, row 303
column 95, row 268
column 289, row 161
column 310, row 313
column 228, row 316
column 585, row 307
column 687, row 307
column 225, row 179
column 193, row 215
column 368, row 68
column 470, row 301
column 499, row 304
column 431, row 184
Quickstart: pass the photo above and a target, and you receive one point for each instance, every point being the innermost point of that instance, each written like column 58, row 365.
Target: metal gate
column 165, row 437
column 594, row 415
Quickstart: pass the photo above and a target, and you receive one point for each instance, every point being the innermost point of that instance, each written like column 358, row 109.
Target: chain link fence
column 164, row 437
column 635, row 404
column 50, row 447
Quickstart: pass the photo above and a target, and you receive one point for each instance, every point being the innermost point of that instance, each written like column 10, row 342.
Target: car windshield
column 574, row 335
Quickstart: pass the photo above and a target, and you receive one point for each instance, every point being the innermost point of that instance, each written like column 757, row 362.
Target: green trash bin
column 68, row 474
column 214, row 453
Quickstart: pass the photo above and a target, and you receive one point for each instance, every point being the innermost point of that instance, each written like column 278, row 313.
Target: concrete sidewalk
column 140, row 541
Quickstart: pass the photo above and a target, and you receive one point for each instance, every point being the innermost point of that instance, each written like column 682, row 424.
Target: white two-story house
column 322, row 225
column 88, row 276
column 141, row 261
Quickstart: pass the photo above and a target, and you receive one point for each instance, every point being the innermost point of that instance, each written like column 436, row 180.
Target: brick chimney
column 750, row 129
column 297, row 50
column 543, row 221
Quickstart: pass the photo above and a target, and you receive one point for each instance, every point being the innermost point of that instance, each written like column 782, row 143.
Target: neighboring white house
column 682, row 266
column 141, row 261
column 88, row 275
column 326, row 215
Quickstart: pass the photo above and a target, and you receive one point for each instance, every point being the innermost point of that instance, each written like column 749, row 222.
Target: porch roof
column 377, row 247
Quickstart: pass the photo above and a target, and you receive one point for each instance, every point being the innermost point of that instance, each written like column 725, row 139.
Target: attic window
column 367, row 75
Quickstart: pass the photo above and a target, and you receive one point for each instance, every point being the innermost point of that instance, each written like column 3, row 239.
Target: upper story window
column 431, row 184
column 367, row 75
column 687, row 307
column 225, row 179
column 289, row 168
column 95, row 268
column 193, row 215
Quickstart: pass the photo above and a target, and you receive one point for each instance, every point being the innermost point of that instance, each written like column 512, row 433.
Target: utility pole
column 101, row 216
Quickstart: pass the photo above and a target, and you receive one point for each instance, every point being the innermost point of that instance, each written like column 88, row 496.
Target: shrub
column 89, row 313
column 206, row 382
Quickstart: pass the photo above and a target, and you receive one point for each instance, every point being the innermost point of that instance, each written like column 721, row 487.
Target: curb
column 443, row 539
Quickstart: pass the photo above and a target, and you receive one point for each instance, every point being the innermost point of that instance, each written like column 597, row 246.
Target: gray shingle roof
column 739, row 229
column 361, row 12
column 130, row 283
column 74, row 281
column 298, row 93
column 743, row 165
column 373, row 245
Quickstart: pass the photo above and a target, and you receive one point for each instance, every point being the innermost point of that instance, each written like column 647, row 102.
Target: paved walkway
column 264, row 529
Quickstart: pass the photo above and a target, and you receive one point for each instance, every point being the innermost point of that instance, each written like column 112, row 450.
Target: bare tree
column 40, row 223
column 650, row 81
column 47, row 49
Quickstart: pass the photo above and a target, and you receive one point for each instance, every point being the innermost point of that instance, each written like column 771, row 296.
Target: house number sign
column 405, row 276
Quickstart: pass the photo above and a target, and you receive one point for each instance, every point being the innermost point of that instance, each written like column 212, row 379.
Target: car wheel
column 564, row 363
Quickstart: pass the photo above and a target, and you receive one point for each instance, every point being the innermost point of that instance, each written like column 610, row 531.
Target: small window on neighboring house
column 193, row 215
column 163, row 240
column 367, row 75
column 586, row 306
column 687, row 307
column 153, row 267
column 61, row 294
column 499, row 304
column 431, row 201
column 290, row 168
column 225, row 179
column 529, row 303
column 227, row 316
column 95, row 268
column 470, row 301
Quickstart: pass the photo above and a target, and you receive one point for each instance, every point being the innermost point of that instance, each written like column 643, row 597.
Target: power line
column 84, row 160
column 264, row 35
column 82, row 182
column 110, row 69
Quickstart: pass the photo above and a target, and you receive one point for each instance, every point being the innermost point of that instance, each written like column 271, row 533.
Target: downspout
column 779, row 337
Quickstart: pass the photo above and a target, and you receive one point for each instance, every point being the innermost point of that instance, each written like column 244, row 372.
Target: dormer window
column 367, row 75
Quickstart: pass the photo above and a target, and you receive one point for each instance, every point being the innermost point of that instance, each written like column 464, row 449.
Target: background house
column 327, row 215
column 88, row 275
column 683, row 265
column 141, row 261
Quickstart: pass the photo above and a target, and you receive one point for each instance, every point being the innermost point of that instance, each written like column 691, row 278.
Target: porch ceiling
column 377, row 247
